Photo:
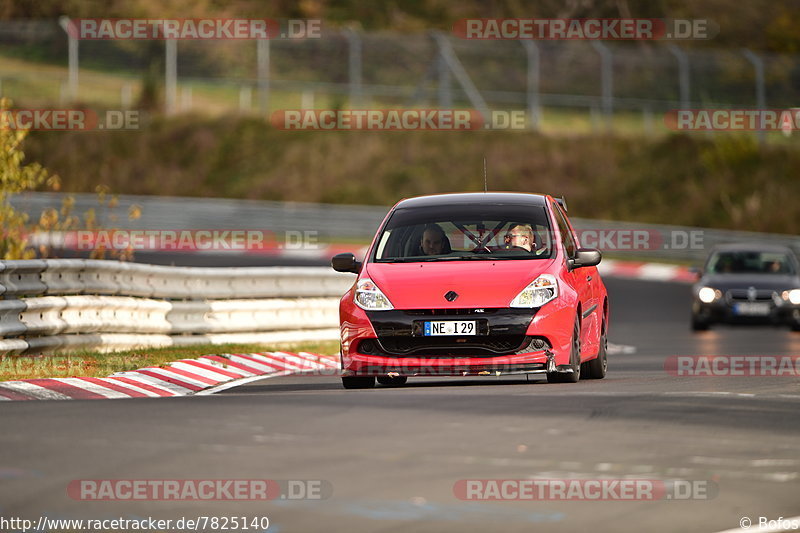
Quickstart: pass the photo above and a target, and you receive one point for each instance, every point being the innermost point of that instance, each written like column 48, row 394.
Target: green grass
column 95, row 364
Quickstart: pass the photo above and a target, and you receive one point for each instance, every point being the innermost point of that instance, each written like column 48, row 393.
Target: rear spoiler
column 562, row 202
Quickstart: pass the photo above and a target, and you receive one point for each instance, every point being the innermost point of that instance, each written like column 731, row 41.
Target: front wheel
column 794, row 323
column 358, row 382
column 570, row 373
column 698, row 324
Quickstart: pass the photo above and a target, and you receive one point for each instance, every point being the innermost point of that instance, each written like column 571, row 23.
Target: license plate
column 752, row 309
column 450, row 327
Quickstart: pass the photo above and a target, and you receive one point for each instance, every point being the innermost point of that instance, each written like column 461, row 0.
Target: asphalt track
column 393, row 455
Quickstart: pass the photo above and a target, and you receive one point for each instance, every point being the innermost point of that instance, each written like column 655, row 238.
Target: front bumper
column 371, row 365
column 726, row 312
column 508, row 341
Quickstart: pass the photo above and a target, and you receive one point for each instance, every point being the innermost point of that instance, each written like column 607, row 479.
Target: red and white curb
column 178, row 378
column 646, row 271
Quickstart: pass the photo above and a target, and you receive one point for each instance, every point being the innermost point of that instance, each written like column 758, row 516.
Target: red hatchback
column 473, row 284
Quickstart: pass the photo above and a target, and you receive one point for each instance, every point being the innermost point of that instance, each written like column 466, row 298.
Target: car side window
column 566, row 234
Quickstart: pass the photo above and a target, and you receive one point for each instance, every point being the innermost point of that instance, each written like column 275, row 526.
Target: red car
column 473, row 284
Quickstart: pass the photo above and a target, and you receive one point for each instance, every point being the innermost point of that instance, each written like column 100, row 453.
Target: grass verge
column 95, row 364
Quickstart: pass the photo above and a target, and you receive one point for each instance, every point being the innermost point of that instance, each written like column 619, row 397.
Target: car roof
column 473, row 198
column 752, row 247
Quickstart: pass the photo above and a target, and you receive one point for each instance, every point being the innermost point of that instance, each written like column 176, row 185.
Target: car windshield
column 465, row 232
column 750, row 262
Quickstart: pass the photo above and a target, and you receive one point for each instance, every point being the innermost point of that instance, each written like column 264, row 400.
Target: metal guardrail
column 179, row 213
column 672, row 243
column 331, row 222
column 57, row 304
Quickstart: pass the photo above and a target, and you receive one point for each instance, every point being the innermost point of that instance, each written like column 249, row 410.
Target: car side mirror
column 586, row 257
column 696, row 271
column 345, row 263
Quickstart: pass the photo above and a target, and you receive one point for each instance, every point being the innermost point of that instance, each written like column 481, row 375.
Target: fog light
column 538, row 344
column 367, row 346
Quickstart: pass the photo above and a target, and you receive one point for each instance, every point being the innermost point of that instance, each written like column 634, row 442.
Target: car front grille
column 450, row 312
column 478, row 346
column 491, row 345
column 498, row 332
column 743, row 295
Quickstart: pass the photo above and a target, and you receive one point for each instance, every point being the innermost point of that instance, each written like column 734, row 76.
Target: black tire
column 794, row 321
column 699, row 325
column 598, row 367
column 392, row 381
column 574, row 359
column 358, row 382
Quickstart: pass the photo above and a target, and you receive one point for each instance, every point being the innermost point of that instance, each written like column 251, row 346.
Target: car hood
column 775, row 282
column 478, row 283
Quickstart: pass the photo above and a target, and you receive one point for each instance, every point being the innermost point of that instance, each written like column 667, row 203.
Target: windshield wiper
column 475, row 257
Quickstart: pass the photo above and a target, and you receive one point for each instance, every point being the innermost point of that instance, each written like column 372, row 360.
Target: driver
column 433, row 240
column 519, row 236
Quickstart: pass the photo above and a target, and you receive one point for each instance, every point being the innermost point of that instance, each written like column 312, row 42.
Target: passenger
column 434, row 241
column 519, row 236
column 776, row 267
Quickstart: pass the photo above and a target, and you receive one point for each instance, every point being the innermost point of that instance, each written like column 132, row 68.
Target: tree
column 16, row 177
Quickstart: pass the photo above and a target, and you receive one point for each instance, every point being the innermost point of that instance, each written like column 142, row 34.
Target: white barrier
column 63, row 304
column 228, row 316
column 10, row 323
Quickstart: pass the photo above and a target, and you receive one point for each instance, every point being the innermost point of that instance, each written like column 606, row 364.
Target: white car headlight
column 708, row 295
column 794, row 296
column 537, row 293
column 370, row 298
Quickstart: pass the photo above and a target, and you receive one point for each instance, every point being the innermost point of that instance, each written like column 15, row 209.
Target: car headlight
column 708, row 295
column 370, row 298
column 537, row 293
column 793, row 296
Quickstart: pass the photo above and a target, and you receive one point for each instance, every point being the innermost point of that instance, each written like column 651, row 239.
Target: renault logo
column 451, row 296
column 751, row 294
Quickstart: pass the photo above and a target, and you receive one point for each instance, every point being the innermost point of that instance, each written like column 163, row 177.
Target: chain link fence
column 600, row 80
